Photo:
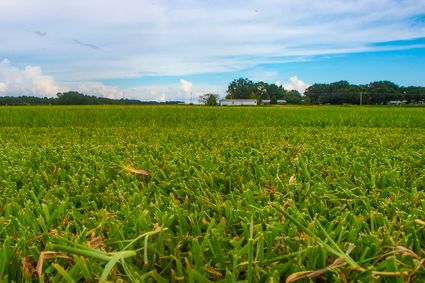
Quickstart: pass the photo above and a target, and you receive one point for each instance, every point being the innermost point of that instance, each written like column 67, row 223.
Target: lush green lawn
column 232, row 194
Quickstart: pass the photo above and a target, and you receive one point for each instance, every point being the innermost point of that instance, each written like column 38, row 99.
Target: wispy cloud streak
column 40, row 33
column 89, row 45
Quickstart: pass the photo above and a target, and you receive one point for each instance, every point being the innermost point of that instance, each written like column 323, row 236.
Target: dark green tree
column 242, row 88
column 412, row 94
column 317, row 92
column 276, row 92
column 294, row 97
column 382, row 92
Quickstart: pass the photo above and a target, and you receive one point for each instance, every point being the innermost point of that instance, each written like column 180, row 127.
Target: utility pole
column 361, row 97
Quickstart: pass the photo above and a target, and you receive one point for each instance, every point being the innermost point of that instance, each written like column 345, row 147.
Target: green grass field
column 197, row 194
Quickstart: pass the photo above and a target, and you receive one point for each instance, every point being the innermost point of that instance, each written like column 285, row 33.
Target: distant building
column 238, row 102
column 268, row 101
column 397, row 102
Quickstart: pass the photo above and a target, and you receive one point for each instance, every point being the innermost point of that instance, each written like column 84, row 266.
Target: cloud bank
column 31, row 81
column 28, row 81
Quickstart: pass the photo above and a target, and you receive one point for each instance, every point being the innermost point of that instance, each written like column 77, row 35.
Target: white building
column 397, row 102
column 238, row 102
column 268, row 101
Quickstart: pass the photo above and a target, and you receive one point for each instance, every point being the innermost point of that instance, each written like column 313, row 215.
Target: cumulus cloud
column 185, row 86
column 31, row 81
column 162, row 98
column 296, row 84
column 28, row 81
column 3, row 87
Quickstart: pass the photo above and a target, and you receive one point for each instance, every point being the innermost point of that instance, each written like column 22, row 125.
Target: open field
column 197, row 194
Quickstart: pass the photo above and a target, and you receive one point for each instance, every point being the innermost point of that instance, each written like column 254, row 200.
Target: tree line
column 244, row 88
column 375, row 93
column 341, row 92
column 72, row 98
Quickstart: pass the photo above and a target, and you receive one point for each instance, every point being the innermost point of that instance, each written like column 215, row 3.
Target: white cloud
column 185, row 86
column 31, row 81
column 162, row 98
column 27, row 81
column 296, row 84
column 3, row 87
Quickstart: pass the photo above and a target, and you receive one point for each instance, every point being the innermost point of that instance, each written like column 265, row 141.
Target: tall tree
column 241, row 88
column 276, row 92
column 263, row 90
column 383, row 91
column 294, row 97
column 316, row 92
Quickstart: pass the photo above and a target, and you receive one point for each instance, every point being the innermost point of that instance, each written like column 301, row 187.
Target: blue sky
column 165, row 50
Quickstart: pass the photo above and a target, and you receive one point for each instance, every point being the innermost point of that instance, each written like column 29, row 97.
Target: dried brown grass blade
column 388, row 273
column 28, row 266
column 137, row 171
column 314, row 273
column 292, row 180
column 419, row 266
column 401, row 251
column 95, row 242
column 215, row 273
column 298, row 276
column 48, row 255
